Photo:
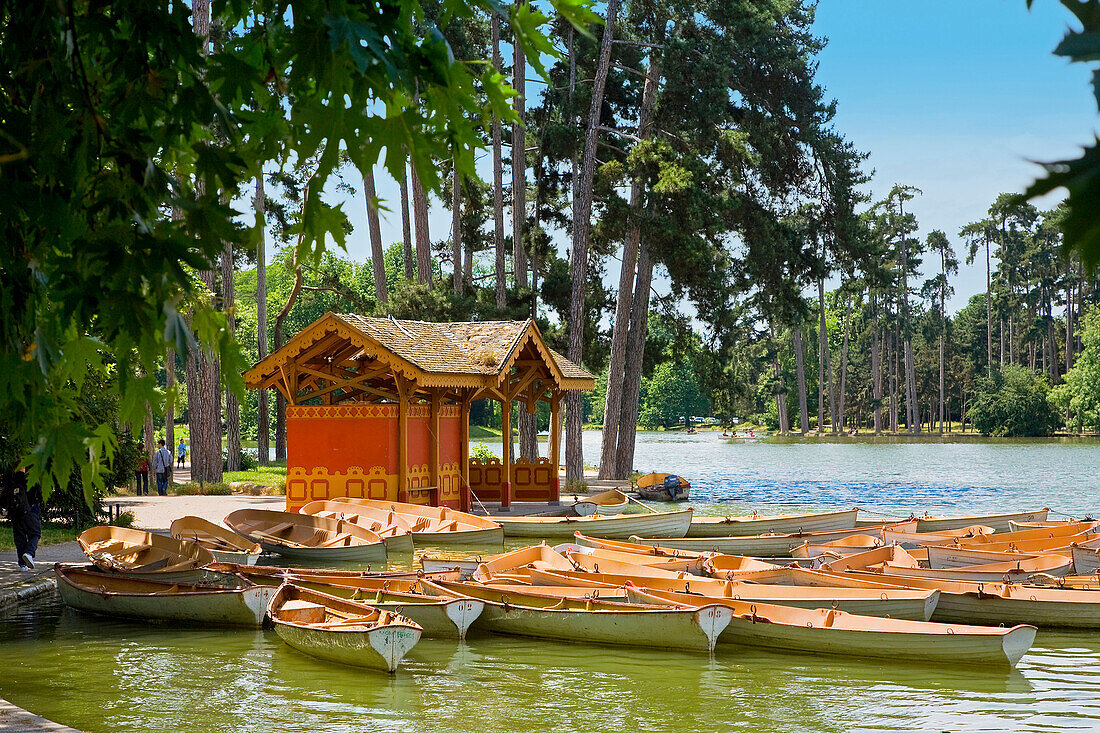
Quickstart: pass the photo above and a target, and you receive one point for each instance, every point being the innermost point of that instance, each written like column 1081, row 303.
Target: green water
column 101, row 675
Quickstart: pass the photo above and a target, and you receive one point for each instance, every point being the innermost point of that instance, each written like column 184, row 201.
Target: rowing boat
column 999, row 522
column 1006, row 572
column 951, row 556
column 224, row 544
column 663, row 487
column 998, row 603
column 831, row 631
column 393, row 530
column 271, row 575
column 871, row 600
column 539, row 556
column 1086, row 561
column 306, row 537
column 588, row 620
column 893, row 554
column 659, row 524
column 927, row 539
column 758, row 524
column 230, row 602
column 339, row 630
column 438, row 525
column 595, row 564
column 446, row 619
column 146, row 554
column 607, row 503
column 634, row 547
column 1035, row 533
column 693, row 565
column 779, row 545
column 1059, row 545
column 844, row 546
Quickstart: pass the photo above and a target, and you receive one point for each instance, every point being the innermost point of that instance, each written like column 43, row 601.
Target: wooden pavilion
column 380, row 408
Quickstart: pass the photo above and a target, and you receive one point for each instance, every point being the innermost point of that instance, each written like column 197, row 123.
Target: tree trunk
column 800, row 375
column 842, row 415
column 498, row 187
column 876, row 368
column 232, row 406
column 149, row 443
column 377, row 255
column 911, row 387
column 203, row 383
column 620, row 332
column 824, row 366
column 263, row 418
column 582, row 212
column 519, row 169
column 632, row 372
column 988, row 313
column 406, row 226
column 1069, row 319
column 456, row 229
column 423, row 240
column 780, row 388
column 169, row 410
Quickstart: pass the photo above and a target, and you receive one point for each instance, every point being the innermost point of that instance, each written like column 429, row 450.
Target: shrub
column 482, row 452
column 1013, row 403
column 124, row 519
column 247, row 459
column 193, row 488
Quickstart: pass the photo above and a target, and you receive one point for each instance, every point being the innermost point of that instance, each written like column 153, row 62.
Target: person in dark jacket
column 24, row 508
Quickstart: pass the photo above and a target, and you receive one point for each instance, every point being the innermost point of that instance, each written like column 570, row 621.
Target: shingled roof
column 485, row 349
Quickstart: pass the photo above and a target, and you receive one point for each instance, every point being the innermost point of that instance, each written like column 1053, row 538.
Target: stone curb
column 12, row 596
column 15, row 719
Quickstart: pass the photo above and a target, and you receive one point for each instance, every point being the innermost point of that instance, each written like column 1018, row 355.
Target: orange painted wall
column 352, row 450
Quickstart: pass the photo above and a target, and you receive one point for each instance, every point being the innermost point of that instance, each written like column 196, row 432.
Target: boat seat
column 133, row 550
column 342, row 538
column 277, row 528
column 303, row 612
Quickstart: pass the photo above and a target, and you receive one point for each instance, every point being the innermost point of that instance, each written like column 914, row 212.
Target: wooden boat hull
column 999, row 522
column 995, row 603
column 380, row 641
column 480, row 531
column 225, row 544
column 749, row 526
column 995, row 572
column 884, row 602
column 950, row 556
column 757, row 546
column 1086, row 561
column 663, row 524
column 608, row 503
column 817, row 632
column 152, row 600
column 127, row 550
column 380, row 648
column 362, row 544
column 440, row 619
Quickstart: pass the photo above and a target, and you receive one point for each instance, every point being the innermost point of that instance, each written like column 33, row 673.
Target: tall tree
column 406, row 226
column 263, row 418
column 582, row 212
column 377, row 255
column 498, row 185
column 939, row 287
column 423, row 238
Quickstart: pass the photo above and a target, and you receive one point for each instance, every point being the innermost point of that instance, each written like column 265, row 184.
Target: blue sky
column 954, row 97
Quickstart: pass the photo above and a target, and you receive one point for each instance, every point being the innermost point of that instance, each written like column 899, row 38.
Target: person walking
column 162, row 464
column 24, row 507
column 181, row 451
column 142, row 473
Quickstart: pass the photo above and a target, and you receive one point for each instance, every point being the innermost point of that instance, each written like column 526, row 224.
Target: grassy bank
column 52, row 534
column 272, row 475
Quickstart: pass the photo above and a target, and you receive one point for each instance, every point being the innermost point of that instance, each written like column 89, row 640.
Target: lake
column 103, row 675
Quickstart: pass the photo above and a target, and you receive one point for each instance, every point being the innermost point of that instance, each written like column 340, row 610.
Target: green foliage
column 481, row 452
column 115, row 113
column 193, row 488
column 672, row 394
column 1080, row 177
column 124, row 519
column 1079, row 394
column 1013, row 403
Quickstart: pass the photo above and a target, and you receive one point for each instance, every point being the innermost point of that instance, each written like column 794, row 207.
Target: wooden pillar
column 506, row 456
column 555, row 443
column 433, row 446
column 404, row 389
column 464, row 502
